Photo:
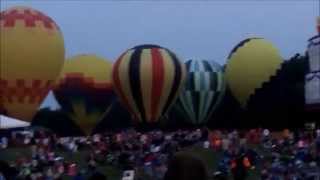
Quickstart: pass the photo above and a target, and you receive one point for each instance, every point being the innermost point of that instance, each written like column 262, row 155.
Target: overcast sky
column 202, row 29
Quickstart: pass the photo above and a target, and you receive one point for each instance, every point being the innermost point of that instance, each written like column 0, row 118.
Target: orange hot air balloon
column 32, row 55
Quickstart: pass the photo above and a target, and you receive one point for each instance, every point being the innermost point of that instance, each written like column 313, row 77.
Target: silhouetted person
column 185, row 166
column 240, row 170
column 98, row 176
column 7, row 171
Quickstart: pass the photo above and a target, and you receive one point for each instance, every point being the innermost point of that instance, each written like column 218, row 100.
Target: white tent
column 8, row 122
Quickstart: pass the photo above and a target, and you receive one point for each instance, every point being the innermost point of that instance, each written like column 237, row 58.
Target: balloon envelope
column 203, row 90
column 32, row 55
column 251, row 63
column 84, row 90
column 148, row 79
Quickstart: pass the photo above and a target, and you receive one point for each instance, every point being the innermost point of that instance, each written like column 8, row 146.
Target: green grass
column 210, row 157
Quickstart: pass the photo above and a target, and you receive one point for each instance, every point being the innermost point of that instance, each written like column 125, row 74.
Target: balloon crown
column 147, row 46
column 241, row 44
column 28, row 15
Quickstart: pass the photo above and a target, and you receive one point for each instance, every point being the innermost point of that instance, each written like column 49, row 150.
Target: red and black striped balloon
column 148, row 78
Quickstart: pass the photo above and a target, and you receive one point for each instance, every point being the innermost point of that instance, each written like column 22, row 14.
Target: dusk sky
column 192, row 29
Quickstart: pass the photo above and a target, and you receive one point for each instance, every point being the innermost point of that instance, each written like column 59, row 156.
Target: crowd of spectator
column 287, row 155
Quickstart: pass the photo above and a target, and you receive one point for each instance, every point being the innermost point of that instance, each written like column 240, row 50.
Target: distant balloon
column 32, row 55
column 251, row 63
column 84, row 90
column 203, row 90
column 148, row 79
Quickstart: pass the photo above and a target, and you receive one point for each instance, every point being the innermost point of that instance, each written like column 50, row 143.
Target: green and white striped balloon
column 204, row 88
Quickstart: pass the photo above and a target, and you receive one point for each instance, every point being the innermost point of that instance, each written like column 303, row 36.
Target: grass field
column 210, row 157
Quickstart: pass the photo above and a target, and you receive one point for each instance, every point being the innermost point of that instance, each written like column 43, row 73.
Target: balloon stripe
column 188, row 64
column 182, row 83
column 176, row 81
column 196, row 66
column 197, row 82
column 207, row 66
column 185, row 105
column 203, row 81
column 157, row 80
column 207, row 76
column 189, row 103
column 201, row 106
column 125, row 82
column 207, row 103
column 168, row 81
column 146, row 78
column 135, row 81
column 195, row 103
column 215, row 99
column 190, row 80
column 117, row 83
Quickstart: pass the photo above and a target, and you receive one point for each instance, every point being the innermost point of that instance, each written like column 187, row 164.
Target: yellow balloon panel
column 249, row 66
column 32, row 55
column 90, row 66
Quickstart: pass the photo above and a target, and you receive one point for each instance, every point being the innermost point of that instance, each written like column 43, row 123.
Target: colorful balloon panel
column 251, row 63
column 32, row 55
column 203, row 90
column 148, row 79
column 84, row 90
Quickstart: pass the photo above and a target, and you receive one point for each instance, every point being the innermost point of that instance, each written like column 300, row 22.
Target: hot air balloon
column 147, row 79
column 84, row 90
column 203, row 90
column 251, row 63
column 32, row 55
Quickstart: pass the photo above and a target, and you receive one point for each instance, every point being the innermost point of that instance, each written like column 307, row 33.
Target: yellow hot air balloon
column 32, row 55
column 251, row 63
column 84, row 90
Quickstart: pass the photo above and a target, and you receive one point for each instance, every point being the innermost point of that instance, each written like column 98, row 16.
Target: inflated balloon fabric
column 203, row 90
column 251, row 63
column 32, row 55
column 148, row 78
column 84, row 90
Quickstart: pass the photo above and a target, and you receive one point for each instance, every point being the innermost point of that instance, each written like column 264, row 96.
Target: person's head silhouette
column 185, row 166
